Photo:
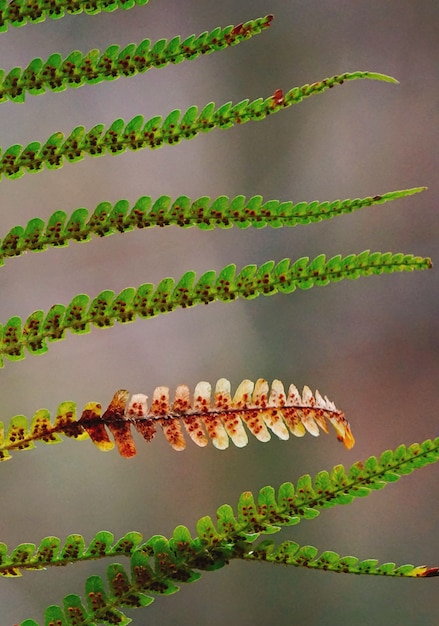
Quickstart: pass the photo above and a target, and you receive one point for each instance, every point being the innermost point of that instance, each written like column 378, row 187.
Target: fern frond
column 51, row 552
column 108, row 219
column 157, row 132
column 17, row 13
column 341, row 487
column 160, row 563
column 219, row 418
column 290, row 553
column 264, row 514
column 57, row 74
column 148, row 301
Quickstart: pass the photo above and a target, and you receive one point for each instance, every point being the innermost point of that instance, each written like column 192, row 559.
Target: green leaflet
column 108, row 219
column 156, row 132
column 57, row 74
column 20, row 12
column 290, row 553
column 149, row 301
column 52, row 552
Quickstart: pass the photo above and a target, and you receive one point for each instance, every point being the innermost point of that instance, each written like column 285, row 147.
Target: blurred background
column 371, row 345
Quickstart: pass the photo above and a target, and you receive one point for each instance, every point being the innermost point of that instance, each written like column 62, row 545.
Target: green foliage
column 20, row 12
column 52, row 552
column 290, row 553
column 156, row 132
column 157, row 565
column 206, row 214
column 57, row 74
column 149, row 300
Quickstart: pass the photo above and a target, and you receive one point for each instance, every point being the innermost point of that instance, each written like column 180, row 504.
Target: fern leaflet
column 57, row 74
column 157, row 132
column 290, row 553
column 51, row 552
column 148, row 301
column 20, row 12
column 220, row 419
column 108, row 219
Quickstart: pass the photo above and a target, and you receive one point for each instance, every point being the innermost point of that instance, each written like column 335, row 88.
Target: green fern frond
column 148, row 301
column 57, row 74
column 17, row 13
column 157, row 132
column 290, row 553
column 159, row 563
column 108, row 219
column 264, row 514
column 219, row 418
column 50, row 552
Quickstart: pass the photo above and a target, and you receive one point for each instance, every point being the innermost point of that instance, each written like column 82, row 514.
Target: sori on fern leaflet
column 253, row 404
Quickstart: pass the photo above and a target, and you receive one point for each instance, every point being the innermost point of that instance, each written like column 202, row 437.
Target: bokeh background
column 371, row 345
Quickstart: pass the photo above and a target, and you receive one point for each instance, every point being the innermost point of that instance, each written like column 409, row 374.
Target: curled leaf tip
column 430, row 572
column 384, row 77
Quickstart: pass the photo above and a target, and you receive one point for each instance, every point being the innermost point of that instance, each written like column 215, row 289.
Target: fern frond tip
column 290, row 553
column 383, row 77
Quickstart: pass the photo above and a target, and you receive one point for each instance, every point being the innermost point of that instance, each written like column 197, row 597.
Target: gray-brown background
column 371, row 345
